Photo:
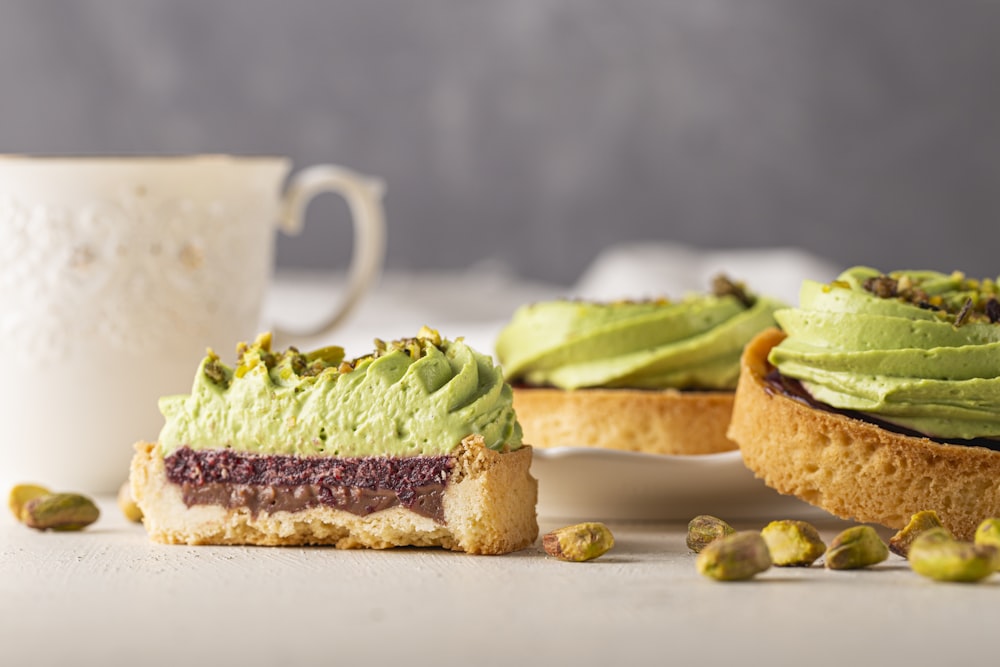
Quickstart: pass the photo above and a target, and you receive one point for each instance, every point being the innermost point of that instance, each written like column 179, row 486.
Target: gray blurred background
column 534, row 133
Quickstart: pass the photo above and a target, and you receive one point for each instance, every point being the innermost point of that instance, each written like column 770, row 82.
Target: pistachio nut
column 21, row 494
column 899, row 543
column 580, row 542
column 127, row 505
column 705, row 529
column 854, row 548
column 793, row 543
column 741, row 555
column 935, row 535
column 60, row 511
column 988, row 532
column 937, row 555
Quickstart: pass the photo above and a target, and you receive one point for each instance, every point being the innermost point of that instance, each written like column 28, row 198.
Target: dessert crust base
column 852, row 468
column 489, row 508
column 652, row 421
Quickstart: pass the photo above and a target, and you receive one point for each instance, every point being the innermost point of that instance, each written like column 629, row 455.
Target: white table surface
column 108, row 596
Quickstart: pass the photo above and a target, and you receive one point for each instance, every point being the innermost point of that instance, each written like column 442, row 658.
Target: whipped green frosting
column 419, row 396
column 691, row 343
column 919, row 349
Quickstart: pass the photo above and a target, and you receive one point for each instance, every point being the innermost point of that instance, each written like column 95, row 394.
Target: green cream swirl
column 416, row 397
column 908, row 355
column 694, row 343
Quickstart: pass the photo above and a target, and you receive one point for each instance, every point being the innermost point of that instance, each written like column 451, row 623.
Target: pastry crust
column 852, row 468
column 489, row 508
column 653, row 421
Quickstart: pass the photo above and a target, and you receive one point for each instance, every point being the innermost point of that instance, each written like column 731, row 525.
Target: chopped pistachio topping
column 723, row 286
column 963, row 300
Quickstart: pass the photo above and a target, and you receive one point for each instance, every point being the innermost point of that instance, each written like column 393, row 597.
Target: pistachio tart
column 879, row 398
column 654, row 376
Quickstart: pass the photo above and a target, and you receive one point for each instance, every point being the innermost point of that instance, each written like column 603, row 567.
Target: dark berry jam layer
column 259, row 483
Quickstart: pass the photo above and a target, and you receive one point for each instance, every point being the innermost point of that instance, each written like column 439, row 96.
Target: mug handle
column 363, row 195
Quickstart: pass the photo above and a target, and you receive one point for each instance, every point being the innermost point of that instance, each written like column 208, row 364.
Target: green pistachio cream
column 693, row 343
column 419, row 396
column 918, row 349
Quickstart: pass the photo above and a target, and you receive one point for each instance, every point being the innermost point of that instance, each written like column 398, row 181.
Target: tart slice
column 416, row 444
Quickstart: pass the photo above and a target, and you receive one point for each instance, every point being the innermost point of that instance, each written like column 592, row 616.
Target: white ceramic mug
column 116, row 273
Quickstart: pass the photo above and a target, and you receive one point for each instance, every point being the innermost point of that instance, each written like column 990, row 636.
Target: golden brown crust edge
column 635, row 420
column 854, row 469
column 489, row 506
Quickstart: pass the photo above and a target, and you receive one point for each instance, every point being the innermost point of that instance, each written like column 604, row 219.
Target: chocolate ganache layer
column 361, row 485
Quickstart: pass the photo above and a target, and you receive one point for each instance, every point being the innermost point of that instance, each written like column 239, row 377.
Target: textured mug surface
column 116, row 275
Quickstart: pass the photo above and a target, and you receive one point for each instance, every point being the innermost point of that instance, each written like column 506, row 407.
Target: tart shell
column 652, row 421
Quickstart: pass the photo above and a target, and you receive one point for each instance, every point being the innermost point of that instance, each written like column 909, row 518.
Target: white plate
column 600, row 484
